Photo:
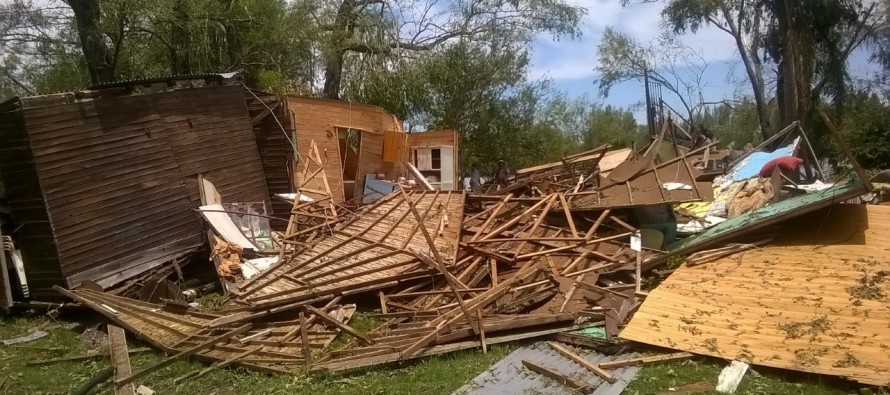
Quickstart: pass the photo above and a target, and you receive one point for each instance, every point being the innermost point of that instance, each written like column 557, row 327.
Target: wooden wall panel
column 111, row 177
column 813, row 301
column 210, row 132
column 27, row 208
column 439, row 138
column 318, row 119
column 112, row 187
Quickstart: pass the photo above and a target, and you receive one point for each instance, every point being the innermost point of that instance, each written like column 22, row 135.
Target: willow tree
column 808, row 43
column 375, row 32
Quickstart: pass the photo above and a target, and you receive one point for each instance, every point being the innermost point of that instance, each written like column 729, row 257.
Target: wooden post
column 383, row 308
column 304, row 340
column 481, row 331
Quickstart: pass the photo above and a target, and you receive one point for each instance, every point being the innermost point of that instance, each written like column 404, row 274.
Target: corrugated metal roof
column 508, row 376
column 220, row 77
column 802, row 303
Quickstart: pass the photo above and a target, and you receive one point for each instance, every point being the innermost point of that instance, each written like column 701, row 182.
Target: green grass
column 434, row 375
column 659, row 378
column 429, row 376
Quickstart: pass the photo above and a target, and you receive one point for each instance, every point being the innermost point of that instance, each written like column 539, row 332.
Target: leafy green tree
column 677, row 68
column 867, row 127
column 373, row 33
column 615, row 126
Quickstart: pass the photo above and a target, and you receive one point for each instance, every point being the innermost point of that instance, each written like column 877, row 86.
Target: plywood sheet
column 814, row 301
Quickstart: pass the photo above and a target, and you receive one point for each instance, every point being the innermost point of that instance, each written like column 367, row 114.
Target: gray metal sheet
column 508, row 376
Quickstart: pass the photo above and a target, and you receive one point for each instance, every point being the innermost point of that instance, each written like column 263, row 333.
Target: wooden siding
column 117, row 173
column 28, row 211
column 111, row 183
column 276, row 152
column 210, row 133
column 803, row 303
column 319, row 119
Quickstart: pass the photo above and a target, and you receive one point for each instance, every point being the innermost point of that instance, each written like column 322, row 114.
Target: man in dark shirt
column 501, row 177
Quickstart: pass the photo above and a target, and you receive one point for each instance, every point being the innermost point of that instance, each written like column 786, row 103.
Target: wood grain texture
column 801, row 303
column 115, row 173
column 375, row 248
column 319, row 119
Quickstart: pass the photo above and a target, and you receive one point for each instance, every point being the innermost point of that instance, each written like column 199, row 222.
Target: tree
column 498, row 113
column 792, row 34
column 399, row 29
column 678, row 68
column 100, row 59
column 867, row 127
column 740, row 19
column 609, row 125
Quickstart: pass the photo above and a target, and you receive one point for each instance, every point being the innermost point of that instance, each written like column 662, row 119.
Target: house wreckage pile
column 562, row 249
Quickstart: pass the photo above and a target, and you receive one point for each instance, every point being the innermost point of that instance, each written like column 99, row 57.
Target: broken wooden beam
column 120, row 358
column 558, row 377
column 182, row 354
column 644, row 360
column 583, row 362
column 335, row 322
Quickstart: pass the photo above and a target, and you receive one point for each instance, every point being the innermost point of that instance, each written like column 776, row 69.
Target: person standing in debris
column 659, row 217
column 501, row 177
column 475, row 178
column 701, row 137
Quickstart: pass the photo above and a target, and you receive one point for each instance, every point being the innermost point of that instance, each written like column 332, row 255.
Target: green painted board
column 773, row 213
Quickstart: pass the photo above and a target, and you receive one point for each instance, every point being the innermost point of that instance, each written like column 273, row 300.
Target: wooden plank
column 335, row 322
column 558, row 377
column 644, row 360
column 182, row 354
column 481, row 331
column 120, row 358
column 304, row 338
column 583, row 362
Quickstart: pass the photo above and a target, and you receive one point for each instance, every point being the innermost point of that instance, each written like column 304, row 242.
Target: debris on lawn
column 208, row 186
column 26, row 338
column 731, row 376
column 535, row 369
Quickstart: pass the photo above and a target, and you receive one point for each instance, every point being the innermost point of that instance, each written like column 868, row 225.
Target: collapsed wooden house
column 102, row 184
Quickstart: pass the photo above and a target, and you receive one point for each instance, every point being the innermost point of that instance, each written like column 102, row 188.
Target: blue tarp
column 750, row 167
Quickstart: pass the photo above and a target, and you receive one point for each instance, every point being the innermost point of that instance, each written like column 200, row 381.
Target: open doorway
column 350, row 149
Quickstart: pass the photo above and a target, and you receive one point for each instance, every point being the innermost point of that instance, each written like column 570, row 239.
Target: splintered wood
column 376, row 249
column 314, row 212
column 272, row 346
column 446, row 279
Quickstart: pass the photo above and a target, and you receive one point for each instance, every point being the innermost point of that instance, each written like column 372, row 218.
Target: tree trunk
column 99, row 60
column 756, row 79
column 343, row 28
column 180, row 40
column 333, row 75
column 795, row 78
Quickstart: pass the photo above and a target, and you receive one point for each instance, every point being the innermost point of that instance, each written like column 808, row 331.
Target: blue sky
column 570, row 64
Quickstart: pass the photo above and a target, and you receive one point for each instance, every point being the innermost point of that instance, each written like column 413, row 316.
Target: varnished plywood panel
column 319, row 119
column 814, row 301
